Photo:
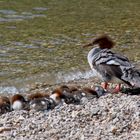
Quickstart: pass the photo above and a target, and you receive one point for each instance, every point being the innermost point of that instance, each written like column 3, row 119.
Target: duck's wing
column 110, row 64
column 107, row 57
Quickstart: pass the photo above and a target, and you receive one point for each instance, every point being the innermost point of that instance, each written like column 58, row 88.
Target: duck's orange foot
column 117, row 89
column 104, row 85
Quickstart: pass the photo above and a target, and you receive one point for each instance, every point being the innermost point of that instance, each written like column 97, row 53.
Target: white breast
column 17, row 105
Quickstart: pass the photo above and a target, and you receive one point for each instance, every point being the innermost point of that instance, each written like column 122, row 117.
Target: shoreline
column 113, row 116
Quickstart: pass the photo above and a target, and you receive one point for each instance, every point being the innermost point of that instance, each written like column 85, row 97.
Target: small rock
column 94, row 111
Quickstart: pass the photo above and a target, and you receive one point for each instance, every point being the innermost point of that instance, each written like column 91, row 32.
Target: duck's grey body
column 109, row 66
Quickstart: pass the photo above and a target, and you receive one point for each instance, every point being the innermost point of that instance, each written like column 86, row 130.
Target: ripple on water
column 40, row 8
column 22, row 17
column 66, row 77
column 3, row 20
column 19, row 59
column 26, row 13
column 7, row 12
column 11, row 15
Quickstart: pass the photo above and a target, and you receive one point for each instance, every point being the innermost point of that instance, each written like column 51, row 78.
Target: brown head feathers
column 104, row 42
column 17, row 97
column 37, row 95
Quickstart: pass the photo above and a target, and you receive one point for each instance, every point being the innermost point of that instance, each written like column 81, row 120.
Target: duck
column 4, row 105
column 41, row 102
column 94, row 92
column 73, row 95
column 89, row 93
column 67, row 94
column 18, row 102
column 109, row 66
column 57, row 96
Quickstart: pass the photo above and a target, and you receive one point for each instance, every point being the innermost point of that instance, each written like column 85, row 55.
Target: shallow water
column 40, row 41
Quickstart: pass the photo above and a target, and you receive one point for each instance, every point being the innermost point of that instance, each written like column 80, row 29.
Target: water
column 40, row 41
column 13, row 16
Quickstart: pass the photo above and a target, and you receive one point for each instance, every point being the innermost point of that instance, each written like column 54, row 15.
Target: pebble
column 95, row 111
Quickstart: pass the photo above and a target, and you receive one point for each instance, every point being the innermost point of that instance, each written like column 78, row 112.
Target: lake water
column 40, row 41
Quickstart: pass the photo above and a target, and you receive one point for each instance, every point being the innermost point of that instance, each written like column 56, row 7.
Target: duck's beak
column 87, row 45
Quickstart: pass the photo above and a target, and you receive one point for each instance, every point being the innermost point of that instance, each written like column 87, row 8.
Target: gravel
column 110, row 117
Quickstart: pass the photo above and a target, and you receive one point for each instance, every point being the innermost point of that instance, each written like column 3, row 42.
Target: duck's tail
column 131, row 75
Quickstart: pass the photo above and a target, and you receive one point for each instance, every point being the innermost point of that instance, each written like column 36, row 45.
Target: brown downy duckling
column 57, row 96
column 89, row 93
column 67, row 94
column 18, row 102
column 4, row 105
column 41, row 102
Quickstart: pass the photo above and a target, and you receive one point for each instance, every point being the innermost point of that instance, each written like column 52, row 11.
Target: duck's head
column 104, row 42
column 57, row 95
column 37, row 96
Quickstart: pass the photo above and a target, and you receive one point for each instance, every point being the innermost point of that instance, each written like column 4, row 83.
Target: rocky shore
column 110, row 117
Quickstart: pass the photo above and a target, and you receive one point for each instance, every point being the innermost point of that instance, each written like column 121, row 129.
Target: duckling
column 67, row 94
column 41, row 102
column 18, row 102
column 89, row 93
column 57, row 96
column 4, row 105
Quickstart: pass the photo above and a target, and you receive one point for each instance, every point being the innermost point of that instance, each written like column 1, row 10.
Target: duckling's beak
column 87, row 45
